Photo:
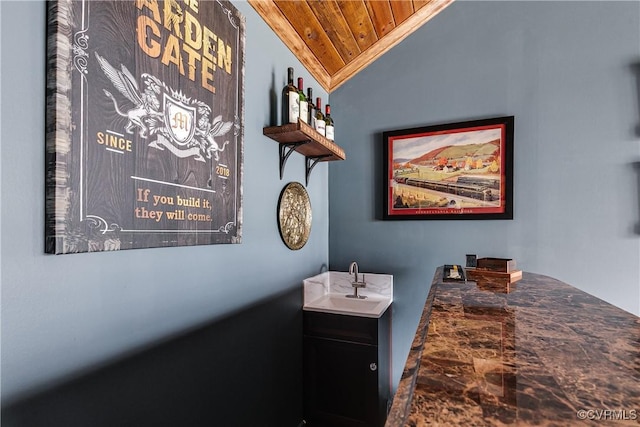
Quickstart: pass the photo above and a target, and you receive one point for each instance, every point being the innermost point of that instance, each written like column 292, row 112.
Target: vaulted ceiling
column 335, row 39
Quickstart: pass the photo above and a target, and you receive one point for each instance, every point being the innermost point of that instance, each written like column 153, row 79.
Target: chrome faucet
column 353, row 269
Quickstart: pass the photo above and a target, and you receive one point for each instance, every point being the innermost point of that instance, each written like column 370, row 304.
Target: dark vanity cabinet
column 346, row 369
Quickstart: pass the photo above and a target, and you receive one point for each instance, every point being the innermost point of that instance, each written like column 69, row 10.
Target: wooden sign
column 145, row 118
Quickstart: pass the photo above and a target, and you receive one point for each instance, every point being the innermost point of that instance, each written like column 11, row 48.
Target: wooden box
column 492, row 276
column 503, row 265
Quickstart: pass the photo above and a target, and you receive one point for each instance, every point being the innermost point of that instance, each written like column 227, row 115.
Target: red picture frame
column 460, row 170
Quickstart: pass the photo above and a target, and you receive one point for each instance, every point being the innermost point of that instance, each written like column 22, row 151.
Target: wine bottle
column 329, row 126
column 312, row 108
column 290, row 100
column 320, row 123
column 304, row 105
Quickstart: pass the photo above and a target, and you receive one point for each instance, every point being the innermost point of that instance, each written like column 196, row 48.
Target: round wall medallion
column 294, row 215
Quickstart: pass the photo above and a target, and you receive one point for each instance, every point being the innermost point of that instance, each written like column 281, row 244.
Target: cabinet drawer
column 337, row 326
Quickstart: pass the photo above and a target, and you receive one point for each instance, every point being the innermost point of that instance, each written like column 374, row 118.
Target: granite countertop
column 537, row 352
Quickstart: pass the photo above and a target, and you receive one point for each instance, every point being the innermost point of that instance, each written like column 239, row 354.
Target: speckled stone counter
column 539, row 353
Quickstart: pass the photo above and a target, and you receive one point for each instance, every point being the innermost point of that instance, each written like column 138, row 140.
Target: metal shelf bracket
column 310, row 163
column 285, row 152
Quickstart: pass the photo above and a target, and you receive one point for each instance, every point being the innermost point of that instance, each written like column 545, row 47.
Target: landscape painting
column 451, row 171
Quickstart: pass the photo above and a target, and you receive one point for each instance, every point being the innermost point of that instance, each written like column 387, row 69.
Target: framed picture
column 145, row 124
column 450, row 171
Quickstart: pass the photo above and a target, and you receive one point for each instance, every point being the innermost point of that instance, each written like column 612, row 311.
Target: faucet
column 353, row 269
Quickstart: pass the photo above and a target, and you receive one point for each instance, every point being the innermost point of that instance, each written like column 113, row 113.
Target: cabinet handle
column 373, row 366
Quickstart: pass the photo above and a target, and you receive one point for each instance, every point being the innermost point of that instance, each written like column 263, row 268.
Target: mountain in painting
column 459, row 152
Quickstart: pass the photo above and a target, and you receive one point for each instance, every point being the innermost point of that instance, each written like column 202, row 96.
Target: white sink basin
column 340, row 304
column 327, row 292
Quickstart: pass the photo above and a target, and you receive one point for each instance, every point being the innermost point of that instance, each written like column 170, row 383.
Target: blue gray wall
column 565, row 70
column 63, row 316
column 568, row 73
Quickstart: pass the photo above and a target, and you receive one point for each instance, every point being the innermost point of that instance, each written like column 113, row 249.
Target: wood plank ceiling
column 335, row 39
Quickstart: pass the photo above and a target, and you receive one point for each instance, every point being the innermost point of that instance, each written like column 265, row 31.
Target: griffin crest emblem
column 180, row 124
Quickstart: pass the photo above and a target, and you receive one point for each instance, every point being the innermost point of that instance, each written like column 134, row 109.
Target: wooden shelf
column 305, row 140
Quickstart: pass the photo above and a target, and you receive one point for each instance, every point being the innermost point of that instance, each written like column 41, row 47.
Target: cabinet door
column 341, row 383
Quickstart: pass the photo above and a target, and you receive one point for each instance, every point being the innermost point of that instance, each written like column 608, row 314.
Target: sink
column 340, row 304
column 327, row 292
column 343, row 303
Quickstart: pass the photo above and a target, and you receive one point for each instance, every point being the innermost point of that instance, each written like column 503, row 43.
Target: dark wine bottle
column 329, row 126
column 290, row 100
column 312, row 108
column 320, row 123
column 304, row 105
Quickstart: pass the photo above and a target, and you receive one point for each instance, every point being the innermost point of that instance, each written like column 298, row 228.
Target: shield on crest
column 179, row 120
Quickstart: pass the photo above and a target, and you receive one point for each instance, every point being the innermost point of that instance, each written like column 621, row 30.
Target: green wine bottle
column 290, row 100
column 320, row 123
column 304, row 105
column 312, row 108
